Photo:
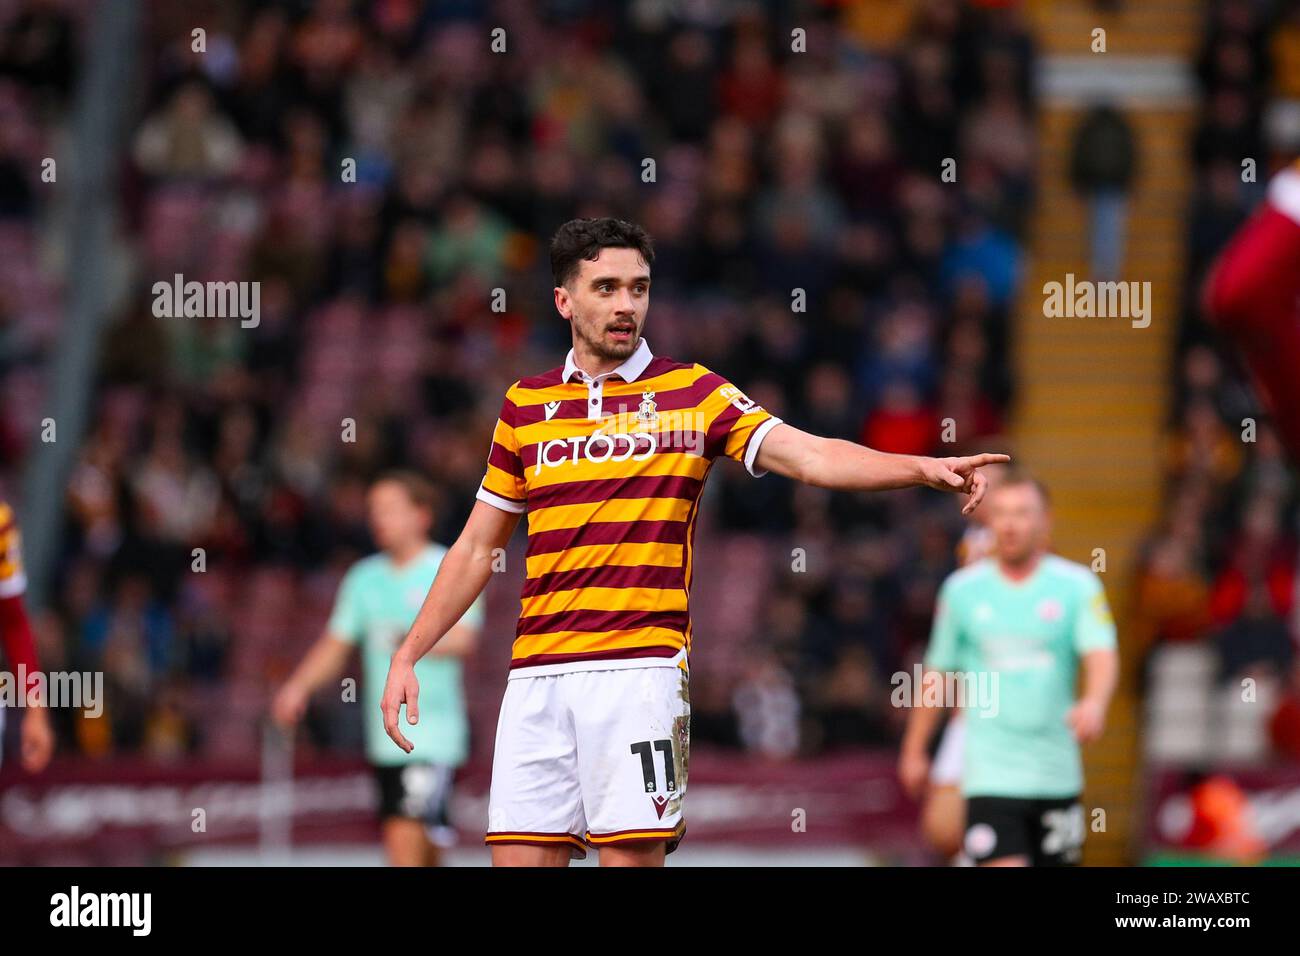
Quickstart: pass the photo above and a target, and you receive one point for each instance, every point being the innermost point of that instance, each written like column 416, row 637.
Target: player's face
column 607, row 302
column 396, row 521
column 1019, row 521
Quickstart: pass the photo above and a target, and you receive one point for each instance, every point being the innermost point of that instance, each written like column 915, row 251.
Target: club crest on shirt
column 647, row 414
column 1049, row 609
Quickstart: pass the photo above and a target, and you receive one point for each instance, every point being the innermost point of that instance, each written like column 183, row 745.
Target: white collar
column 630, row 370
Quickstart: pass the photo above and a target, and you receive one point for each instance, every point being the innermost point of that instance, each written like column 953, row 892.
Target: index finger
column 987, row 458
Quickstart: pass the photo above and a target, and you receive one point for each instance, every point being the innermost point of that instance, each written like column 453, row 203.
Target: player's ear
column 563, row 304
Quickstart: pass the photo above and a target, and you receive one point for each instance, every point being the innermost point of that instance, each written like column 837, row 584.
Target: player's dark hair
column 1019, row 476
column 580, row 239
column 418, row 488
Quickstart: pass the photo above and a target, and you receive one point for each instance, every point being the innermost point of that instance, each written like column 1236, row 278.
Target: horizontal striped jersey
column 13, row 580
column 609, row 471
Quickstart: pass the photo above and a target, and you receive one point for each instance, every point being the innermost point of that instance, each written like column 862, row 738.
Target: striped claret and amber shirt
column 609, row 471
column 13, row 580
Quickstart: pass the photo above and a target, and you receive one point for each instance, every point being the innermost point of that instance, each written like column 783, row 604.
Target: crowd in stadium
column 1220, row 570
column 773, row 171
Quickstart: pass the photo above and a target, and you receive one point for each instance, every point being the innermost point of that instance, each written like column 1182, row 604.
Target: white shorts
column 591, row 758
column 949, row 762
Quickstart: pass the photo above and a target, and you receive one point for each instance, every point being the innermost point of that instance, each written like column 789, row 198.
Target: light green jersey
column 1022, row 641
column 376, row 605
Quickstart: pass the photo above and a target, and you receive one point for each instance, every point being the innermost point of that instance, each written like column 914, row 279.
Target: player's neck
column 404, row 555
column 1021, row 570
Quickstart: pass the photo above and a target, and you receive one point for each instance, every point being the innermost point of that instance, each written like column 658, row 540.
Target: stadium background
column 774, row 170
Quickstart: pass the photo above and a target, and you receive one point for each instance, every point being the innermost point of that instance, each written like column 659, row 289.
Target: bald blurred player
column 1253, row 295
column 943, row 810
column 36, row 736
column 1027, row 619
column 376, row 603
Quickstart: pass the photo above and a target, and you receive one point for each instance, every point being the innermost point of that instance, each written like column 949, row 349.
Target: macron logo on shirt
column 551, row 409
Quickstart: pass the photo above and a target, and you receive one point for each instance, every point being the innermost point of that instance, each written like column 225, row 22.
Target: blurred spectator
column 1103, row 164
column 1172, row 593
column 188, row 138
column 38, row 48
column 130, row 640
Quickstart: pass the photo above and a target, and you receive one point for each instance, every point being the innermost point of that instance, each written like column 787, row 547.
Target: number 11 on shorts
column 645, row 750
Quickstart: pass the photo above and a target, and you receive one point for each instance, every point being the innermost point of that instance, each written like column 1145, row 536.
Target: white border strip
column 1083, row 79
column 505, row 504
column 756, row 439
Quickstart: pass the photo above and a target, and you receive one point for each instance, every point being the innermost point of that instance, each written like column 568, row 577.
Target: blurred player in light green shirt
column 943, row 807
column 377, row 602
column 1022, row 621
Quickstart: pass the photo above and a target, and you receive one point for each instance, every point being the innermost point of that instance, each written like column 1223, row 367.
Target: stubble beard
column 595, row 342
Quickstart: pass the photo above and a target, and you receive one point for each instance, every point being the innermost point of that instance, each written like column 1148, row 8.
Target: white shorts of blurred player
column 950, row 760
column 591, row 758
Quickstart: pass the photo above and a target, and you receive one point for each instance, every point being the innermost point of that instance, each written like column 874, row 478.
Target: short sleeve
column 738, row 424
column 13, row 580
column 346, row 620
column 1094, row 627
column 944, row 651
column 503, row 482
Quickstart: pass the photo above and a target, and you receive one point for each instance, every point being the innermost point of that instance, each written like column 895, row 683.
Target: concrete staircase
column 1093, row 391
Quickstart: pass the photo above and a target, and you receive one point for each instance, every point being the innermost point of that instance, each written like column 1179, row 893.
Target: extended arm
column 846, row 466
